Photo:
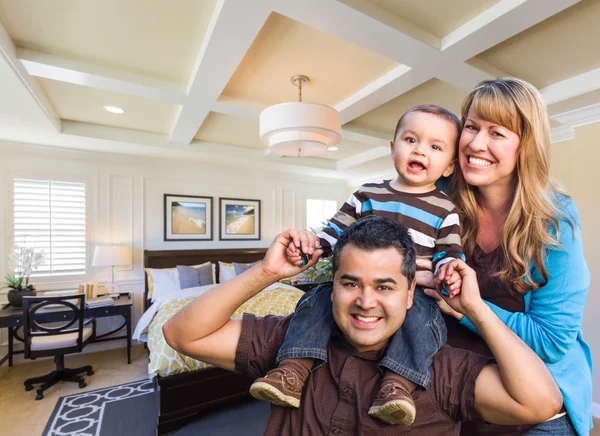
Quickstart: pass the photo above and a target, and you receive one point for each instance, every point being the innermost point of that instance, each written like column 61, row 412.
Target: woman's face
column 487, row 152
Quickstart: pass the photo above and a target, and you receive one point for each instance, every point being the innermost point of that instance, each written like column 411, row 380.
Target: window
column 49, row 215
column 318, row 211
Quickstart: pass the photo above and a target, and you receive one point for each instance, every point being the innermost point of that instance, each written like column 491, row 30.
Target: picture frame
column 188, row 218
column 239, row 219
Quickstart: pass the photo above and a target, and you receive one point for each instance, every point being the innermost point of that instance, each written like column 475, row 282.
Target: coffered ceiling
column 193, row 75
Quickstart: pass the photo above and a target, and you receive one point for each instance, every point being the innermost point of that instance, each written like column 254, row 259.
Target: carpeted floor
column 130, row 409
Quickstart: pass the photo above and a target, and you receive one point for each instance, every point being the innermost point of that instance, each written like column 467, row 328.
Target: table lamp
column 112, row 255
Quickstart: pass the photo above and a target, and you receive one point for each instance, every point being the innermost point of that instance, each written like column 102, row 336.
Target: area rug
column 130, row 409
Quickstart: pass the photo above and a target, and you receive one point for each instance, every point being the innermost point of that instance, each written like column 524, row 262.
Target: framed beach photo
column 188, row 218
column 239, row 219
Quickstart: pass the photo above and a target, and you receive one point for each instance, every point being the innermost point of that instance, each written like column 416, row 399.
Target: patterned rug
column 131, row 410
column 83, row 414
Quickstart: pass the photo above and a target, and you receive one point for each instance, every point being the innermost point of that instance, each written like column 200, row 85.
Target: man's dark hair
column 377, row 232
column 432, row 109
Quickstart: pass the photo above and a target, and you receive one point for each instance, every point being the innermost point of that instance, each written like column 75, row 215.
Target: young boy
column 423, row 150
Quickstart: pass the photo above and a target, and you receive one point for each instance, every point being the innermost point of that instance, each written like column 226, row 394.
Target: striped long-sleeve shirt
column 431, row 218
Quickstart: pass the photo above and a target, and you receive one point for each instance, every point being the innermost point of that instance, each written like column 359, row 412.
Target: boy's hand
column 307, row 241
column 448, row 280
column 276, row 265
column 469, row 300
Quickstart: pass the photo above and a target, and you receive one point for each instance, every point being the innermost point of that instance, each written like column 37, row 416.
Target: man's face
column 370, row 296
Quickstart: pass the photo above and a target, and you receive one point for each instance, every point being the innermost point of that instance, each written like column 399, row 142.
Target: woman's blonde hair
column 519, row 107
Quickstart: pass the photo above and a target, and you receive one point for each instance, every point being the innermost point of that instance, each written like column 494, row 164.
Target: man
column 373, row 287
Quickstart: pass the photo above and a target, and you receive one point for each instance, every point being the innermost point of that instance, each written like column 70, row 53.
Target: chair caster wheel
column 28, row 387
column 39, row 396
column 90, row 372
column 82, row 385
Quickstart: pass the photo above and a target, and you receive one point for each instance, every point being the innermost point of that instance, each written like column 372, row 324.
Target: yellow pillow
column 151, row 279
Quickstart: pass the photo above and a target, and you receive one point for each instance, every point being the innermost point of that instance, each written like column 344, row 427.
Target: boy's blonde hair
column 519, row 107
column 432, row 109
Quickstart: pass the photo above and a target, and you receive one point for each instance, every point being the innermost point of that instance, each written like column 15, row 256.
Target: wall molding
column 562, row 134
column 579, row 117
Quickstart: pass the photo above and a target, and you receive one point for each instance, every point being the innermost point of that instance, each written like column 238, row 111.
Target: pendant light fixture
column 300, row 129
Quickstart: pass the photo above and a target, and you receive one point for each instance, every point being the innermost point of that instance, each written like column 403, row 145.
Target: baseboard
column 595, row 410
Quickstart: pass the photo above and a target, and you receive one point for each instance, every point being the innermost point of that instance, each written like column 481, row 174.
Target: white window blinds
column 49, row 215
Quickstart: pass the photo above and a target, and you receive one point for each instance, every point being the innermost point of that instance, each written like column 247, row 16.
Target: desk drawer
column 107, row 311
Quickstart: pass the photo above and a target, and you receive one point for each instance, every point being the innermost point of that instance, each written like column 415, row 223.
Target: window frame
column 51, row 281
column 306, row 199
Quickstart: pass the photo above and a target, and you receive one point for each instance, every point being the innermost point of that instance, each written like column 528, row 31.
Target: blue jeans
column 557, row 427
column 408, row 354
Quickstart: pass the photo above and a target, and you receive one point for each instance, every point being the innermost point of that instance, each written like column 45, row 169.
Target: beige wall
column 575, row 163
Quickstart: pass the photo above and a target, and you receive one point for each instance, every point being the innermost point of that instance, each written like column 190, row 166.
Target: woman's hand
column 444, row 307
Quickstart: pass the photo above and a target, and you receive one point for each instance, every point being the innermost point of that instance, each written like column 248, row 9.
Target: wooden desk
column 12, row 318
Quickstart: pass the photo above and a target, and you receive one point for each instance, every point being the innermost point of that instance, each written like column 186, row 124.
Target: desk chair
column 49, row 339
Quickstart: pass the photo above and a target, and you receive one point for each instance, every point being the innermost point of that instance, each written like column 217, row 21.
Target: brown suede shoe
column 281, row 386
column 394, row 405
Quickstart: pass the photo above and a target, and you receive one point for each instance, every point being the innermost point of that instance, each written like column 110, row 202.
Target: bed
column 183, row 396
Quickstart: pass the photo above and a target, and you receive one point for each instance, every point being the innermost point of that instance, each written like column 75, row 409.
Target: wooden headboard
column 172, row 258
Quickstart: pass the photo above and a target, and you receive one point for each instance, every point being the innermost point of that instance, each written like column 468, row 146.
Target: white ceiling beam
column 80, row 73
column 398, row 81
column 572, row 87
column 238, row 108
column 579, row 117
column 420, row 61
column 372, row 10
column 9, row 51
column 497, row 24
column 365, row 156
column 562, row 134
column 232, row 29
column 343, row 21
column 366, row 136
column 130, row 140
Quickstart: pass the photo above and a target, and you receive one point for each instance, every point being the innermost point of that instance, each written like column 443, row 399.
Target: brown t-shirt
column 485, row 265
column 337, row 396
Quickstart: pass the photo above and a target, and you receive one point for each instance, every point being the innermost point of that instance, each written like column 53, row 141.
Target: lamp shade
column 300, row 129
column 112, row 255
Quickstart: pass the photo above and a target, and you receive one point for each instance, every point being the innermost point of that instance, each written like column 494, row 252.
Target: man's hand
column 280, row 260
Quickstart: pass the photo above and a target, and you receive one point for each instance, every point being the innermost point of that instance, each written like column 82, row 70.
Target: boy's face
column 424, row 150
column 370, row 296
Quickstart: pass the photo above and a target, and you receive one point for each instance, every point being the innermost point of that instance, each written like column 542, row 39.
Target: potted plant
column 22, row 261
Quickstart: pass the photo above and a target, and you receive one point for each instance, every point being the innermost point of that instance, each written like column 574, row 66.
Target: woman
column 522, row 236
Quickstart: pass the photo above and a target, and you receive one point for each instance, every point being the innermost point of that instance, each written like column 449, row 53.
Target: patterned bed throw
column 166, row 361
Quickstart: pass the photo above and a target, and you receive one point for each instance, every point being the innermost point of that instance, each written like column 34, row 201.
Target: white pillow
column 166, row 281
column 226, row 272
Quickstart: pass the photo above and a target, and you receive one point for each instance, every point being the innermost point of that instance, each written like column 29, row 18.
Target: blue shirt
column 551, row 323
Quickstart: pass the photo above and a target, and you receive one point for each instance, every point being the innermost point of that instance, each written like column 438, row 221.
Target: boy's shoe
column 394, row 405
column 281, row 386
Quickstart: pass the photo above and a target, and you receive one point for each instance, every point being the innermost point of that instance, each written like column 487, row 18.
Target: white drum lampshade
column 300, row 129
